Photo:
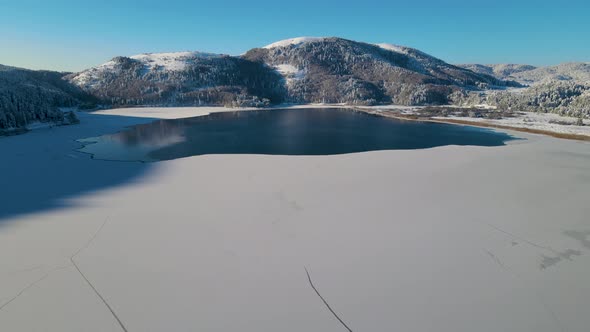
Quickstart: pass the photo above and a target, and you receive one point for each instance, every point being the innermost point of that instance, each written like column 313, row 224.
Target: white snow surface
column 392, row 47
column 529, row 120
column 170, row 61
column 287, row 69
column 539, row 121
column 290, row 72
column 455, row 238
column 89, row 78
column 294, row 41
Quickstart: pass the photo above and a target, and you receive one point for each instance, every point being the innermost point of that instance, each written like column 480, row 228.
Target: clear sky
column 73, row 35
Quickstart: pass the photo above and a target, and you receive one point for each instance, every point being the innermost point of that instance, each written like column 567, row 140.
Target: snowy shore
column 540, row 123
column 445, row 239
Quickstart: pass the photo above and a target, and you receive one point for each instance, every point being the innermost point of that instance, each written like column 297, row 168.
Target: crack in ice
column 22, row 291
column 325, row 302
column 496, row 259
column 515, row 275
column 523, row 239
column 104, row 301
column 546, row 261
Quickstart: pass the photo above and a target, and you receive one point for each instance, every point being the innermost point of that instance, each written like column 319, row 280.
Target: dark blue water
column 283, row 132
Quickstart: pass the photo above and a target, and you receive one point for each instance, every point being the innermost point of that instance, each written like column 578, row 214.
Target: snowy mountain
column 530, row 75
column 500, row 71
column 304, row 69
column 294, row 42
column 563, row 89
column 336, row 70
column 184, row 78
column 573, row 71
column 296, row 70
column 158, row 62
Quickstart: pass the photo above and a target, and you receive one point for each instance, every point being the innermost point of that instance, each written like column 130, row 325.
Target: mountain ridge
column 530, row 75
column 295, row 70
column 316, row 69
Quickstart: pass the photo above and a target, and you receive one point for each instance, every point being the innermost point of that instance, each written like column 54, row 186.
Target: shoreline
column 390, row 111
column 578, row 137
column 387, row 111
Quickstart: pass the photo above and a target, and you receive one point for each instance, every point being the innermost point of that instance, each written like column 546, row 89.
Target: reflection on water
column 136, row 143
column 155, row 135
column 282, row 132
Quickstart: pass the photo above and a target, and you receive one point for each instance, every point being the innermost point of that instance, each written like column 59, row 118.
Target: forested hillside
column 298, row 70
column 336, row 70
column 569, row 98
column 562, row 89
column 28, row 96
column 185, row 78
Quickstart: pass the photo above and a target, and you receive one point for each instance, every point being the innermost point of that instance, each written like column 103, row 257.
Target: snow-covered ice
column 453, row 238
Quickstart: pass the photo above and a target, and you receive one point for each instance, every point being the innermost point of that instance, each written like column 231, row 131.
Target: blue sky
column 73, row 35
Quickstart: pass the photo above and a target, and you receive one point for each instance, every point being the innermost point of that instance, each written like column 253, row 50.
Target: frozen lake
column 282, row 132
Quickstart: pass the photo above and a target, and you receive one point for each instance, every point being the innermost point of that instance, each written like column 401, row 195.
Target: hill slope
column 299, row 70
column 185, row 78
column 573, row 71
column 526, row 74
column 500, row 71
column 28, row 96
column 336, row 70
column 563, row 89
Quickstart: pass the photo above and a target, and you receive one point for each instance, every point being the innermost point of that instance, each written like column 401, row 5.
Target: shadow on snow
column 41, row 169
